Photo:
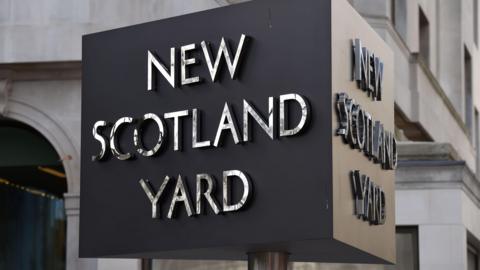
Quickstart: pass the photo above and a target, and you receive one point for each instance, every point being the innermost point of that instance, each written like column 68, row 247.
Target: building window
column 399, row 17
column 475, row 21
column 424, row 38
column 468, row 91
column 477, row 141
column 407, row 249
column 472, row 258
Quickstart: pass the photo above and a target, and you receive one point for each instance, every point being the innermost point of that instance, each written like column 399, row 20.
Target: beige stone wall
column 51, row 30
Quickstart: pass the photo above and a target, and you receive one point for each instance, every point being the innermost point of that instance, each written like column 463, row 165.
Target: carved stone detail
column 5, row 90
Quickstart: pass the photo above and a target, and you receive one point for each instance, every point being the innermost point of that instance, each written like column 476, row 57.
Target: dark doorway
column 32, row 214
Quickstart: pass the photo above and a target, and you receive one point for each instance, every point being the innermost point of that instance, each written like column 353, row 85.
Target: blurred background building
column 437, row 103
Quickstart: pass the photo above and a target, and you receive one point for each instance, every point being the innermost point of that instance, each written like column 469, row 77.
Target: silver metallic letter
column 177, row 146
column 283, row 117
column 149, row 190
column 378, row 66
column 160, row 67
column 115, row 150
column 359, row 185
column 232, row 66
column 249, row 110
column 387, row 142
column 369, row 135
column 196, row 128
column 230, row 125
column 203, row 177
column 394, row 160
column 185, row 62
column 137, row 138
column 361, row 65
column 378, row 143
column 368, row 203
column 381, row 210
column 100, row 138
column 343, row 114
column 358, row 126
column 351, row 138
column 227, row 207
column 372, row 213
column 184, row 197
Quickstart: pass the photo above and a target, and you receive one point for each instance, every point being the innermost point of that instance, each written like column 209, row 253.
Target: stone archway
column 53, row 132
column 28, row 99
column 32, row 208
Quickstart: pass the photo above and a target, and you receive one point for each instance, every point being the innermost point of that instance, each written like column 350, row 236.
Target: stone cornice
column 420, row 167
column 71, row 70
column 426, row 151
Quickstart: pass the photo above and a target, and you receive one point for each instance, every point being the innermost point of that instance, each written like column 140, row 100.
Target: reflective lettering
column 169, row 76
column 305, row 109
column 223, row 50
column 100, row 138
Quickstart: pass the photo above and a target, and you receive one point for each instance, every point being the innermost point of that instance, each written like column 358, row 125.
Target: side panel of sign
column 364, row 149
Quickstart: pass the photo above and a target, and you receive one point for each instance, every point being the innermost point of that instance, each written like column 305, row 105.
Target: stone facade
column 437, row 186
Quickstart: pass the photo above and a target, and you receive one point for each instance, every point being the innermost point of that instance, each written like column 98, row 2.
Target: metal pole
column 268, row 261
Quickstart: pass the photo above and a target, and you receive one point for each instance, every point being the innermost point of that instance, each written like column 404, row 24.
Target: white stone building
column 437, row 104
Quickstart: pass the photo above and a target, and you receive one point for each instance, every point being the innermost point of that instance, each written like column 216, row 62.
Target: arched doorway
column 32, row 213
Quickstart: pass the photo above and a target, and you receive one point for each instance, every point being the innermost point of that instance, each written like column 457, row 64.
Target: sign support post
column 268, row 261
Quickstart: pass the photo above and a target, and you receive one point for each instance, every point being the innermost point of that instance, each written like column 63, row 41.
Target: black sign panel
column 287, row 50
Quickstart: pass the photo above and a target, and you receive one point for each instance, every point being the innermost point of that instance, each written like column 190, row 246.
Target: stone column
column 442, row 247
column 72, row 211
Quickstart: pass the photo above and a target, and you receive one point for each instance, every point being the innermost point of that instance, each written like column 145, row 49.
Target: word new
column 205, row 191
column 369, row 199
column 357, row 128
column 367, row 70
column 185, row 61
